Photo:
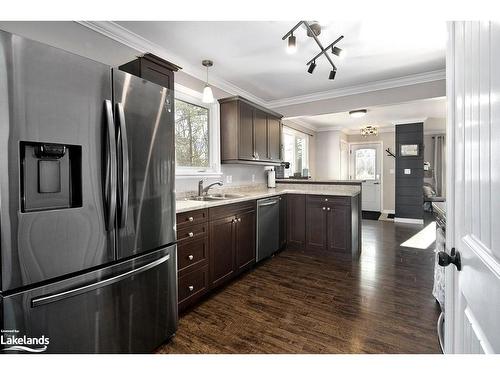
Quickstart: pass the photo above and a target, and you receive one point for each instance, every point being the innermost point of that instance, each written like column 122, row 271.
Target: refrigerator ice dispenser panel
column 51, row 176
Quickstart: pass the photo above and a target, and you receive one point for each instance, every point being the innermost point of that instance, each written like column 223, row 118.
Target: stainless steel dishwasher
column 268, row 227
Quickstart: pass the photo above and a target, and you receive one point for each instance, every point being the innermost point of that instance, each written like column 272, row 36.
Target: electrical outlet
column 229, row 179
column 253, row 178
column 407, row 171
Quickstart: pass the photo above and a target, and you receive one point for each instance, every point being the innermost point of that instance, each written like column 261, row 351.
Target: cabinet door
column 339, row 228
column 221, row 250
column 260, row 134
column 273, row 138
column 316, row 229
column 296, row 220
column 246, row 133
column 245, row 240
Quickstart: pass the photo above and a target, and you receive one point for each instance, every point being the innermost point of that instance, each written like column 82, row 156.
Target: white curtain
column 440, row 165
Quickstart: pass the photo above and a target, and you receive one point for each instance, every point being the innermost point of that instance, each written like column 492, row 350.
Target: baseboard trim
column 408, row 221
column 388, row 212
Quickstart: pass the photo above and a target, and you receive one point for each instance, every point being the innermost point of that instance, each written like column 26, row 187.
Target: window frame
column 296, row 133
column 214, row 169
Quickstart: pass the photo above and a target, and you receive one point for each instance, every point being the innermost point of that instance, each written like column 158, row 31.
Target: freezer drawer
column 130, row 307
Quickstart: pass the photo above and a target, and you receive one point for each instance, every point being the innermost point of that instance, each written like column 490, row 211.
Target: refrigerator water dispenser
column 51, row 176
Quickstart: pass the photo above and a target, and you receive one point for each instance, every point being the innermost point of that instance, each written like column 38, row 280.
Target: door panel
column 56, row 97
column 365, row 165
column 260, row 134
column 246, row 135
column 150, row 204
column 130, row 307
column 339, row 228
column 316, row 223
column 245, row 239
column 221, row 250
column 295, row 218
column 274, row 138
column 472, row 302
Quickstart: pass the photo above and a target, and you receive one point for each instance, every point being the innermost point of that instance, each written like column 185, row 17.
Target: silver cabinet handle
column 190, row 218
column 191, row 288
column 323, row 208
column 190, row 257
column 191, row 234
column 239, row 219
column 328, row 209
column 44, row 300
column 326, row 199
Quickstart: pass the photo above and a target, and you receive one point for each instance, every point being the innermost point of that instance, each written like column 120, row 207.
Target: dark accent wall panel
column 409, row 198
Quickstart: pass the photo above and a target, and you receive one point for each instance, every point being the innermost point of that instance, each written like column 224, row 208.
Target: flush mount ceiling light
column 369, row 130
column 208, row 96
column 358, row 113
column 313, row 30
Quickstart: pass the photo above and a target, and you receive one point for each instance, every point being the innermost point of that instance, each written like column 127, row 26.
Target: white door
column 365, row 165
column 472, row 320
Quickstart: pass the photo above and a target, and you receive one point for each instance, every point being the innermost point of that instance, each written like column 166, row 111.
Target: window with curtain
column 296, row 151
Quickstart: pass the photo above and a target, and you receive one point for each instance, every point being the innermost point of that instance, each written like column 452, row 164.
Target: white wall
column 328, row 155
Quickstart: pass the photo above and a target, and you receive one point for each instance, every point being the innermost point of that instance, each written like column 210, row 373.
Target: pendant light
column 208, row 96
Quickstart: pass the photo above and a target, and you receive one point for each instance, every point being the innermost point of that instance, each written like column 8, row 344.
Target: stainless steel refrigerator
column 87, row 207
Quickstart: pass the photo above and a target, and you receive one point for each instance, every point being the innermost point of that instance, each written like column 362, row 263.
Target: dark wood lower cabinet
column 316, row 223
column 221, row 250
column 245, row 240
column 339, row 228
column 296, row 220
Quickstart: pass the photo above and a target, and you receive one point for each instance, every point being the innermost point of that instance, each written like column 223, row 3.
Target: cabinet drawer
column 192, row 232
column 192, row 286
column 230, row 209
column 329, row 199
column 191, row 217
column 192, row 254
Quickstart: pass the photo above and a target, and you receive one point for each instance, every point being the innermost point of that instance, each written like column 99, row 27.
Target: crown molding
column 298, row 121
column 331, row 129
column 413, row 79
column 130, row 39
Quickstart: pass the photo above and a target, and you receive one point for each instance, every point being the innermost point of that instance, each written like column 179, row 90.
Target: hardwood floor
column 316, row 302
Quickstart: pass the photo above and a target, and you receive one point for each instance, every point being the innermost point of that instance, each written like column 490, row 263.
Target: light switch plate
column 391, row 171
column 407, row 171
column 229, row 179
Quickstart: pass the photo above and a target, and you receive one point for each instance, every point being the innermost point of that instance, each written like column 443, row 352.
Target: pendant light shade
column 208, row 95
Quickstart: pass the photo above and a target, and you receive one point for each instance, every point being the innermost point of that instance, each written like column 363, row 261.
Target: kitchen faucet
column 202, row 190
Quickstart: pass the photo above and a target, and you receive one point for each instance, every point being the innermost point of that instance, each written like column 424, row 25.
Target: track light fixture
column 338, row 52
column 313, row 30
column 292, row 44
column 312, row 66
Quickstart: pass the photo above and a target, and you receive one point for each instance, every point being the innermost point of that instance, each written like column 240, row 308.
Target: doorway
column 366, row 165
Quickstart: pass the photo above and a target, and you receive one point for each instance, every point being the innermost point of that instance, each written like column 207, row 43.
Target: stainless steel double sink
column 214, row 197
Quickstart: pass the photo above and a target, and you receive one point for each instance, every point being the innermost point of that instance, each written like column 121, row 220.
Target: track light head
column 332, row 74
column 312, row 66
column 338, row 52
column 292, row 44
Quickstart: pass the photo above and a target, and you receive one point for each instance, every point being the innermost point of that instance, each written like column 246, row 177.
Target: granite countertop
column 189, row 205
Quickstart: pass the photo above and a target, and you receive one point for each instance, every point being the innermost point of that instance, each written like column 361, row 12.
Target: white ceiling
column 383, row 117
column 252, row 56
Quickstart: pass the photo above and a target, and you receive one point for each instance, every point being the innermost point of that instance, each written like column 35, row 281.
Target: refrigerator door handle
column 45, row 300
column 111, row 167
column 123, row 147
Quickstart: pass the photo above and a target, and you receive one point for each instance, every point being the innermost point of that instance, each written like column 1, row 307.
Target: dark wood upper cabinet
column 296, row 220
column 316, row 223
column 245, row 145
column 273, row 138
column 153, row 69
column 245, row 239
column 249, row 133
